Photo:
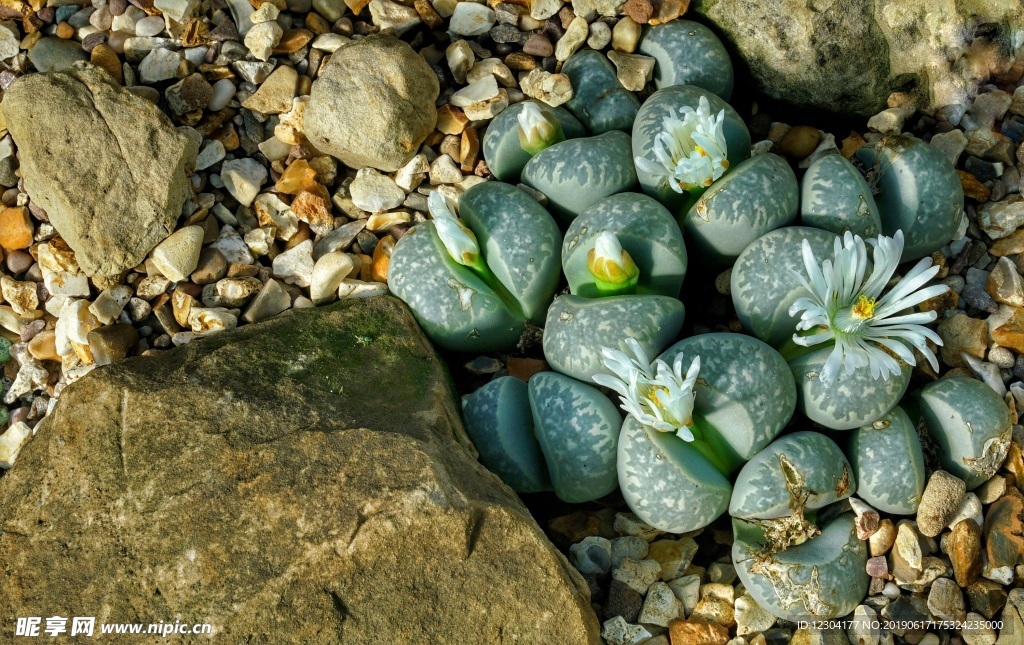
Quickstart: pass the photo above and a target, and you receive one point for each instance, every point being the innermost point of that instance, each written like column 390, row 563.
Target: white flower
column 658, row 396
column 537, row 130
column 852, row 311
column 690, row 153
column 459, row 240
column 609, row 262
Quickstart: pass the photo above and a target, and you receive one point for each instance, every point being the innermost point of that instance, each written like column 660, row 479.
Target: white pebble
column 483, row 89
column 360, row 289
column 263, row 38
column 471, row 19
column 212, row 153
column 223, row 92
column 295, row 266
column 178, row 255
column 328, row 274
column 11, row 443
column 177, row 10
column 159, row 65
column 374, row 192
column 149, row 26
column 243, row 178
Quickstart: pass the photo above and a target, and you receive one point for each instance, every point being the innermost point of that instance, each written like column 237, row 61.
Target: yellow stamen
column 702, row 152
column 865, row 308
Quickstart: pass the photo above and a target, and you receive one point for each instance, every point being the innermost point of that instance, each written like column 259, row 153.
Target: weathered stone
column 964, row 548
column 698, row 632
column 375, row 85
column 1004, row 531
column 322, row 515
column 108, row 167
column 848, row 57
column 939, row 502
column 961, row 333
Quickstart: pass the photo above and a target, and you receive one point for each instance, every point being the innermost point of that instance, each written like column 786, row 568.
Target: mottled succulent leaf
column 797, row 472
column 578, row 328
column 919, row 192
column 851, row 400
column 688, row 53
column 888, row 463
column 599, row 101
column 835, row 197
column 758, row 196
column 451, row 303
column 820, row 579
column 577, row 427
column 666, row 482
column 579, row 172
column 763, row 286
column 519, row 240
column 644, row 228
column 504, row 154
column 969, row 421
column 500, row 423
column 745, row 390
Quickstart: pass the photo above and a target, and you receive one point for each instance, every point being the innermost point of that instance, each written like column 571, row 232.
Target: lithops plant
column 870, row 334
column 686, row 435
column 822, row 578
column 919, row 192
column 554, row 434
column 684, row 138
column 646, row 231
column 688, row 53
column 760, row 195
column 599, row 101
column 835, row 197
column 576, row 173
column 764, row 283
column 503, row 145
column 474, row 283
column 888, row 463
column 970, row 423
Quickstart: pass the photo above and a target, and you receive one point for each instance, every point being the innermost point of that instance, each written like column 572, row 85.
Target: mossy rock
column 835, row 197
column 888, row 463
column 576, row 173
column 644, row 228
column 578, row 328
column 763, row 285
column 503, row 153
column 650, row 121
column 969, row 421
column 599, row 101
column 851, row 400
column 688, row 53
column 757, row 196
column 919, row 192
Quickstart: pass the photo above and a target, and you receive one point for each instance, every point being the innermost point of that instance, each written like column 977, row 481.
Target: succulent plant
column 554, row 434
column 502, row 146
column 835, row 197
column 644, row 229
column 688, row 53
column 665, row 137
column 576, row 173
column 743, row 397
column 888, row 463
column 970, row 423
column 757, row 196
column 919, row 192
column 474, row 284
column 599, row 101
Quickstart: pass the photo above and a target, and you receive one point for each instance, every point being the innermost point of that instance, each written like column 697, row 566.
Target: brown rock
column 799, row 141
column 1012, row 244
column 348, row 513
column 986, row 597
column 639, row 10
column 972, row 187
column 538, row 45
column 112, row 343
column 314, row 208
column 1010, row 334
column 697, row 632
column 961, row 333
column 1005, row 284
column 451, row 119
column 567, row 530
column 520, row 62
column 104, row 56
column 524, row 368
column 668, row 10
column 16, row 229
column 293, row 40
column 212, row 267
column 43, row 346
column 939, row 502
column 964, row 548
column 428, row 14
column 1004, row 530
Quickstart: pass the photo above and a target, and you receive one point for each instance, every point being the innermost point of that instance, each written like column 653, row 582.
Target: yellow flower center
column 700, row 150
column 865, row 308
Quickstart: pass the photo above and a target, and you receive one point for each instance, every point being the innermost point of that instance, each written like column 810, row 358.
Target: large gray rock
column 263, row 481
column 107, row 166
column 373, row 104
column 847, row 57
